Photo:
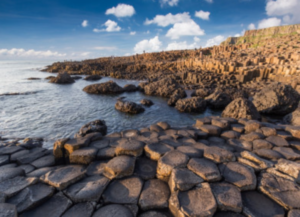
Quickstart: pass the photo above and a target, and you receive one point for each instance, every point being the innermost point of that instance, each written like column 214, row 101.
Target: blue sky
column 76, row 29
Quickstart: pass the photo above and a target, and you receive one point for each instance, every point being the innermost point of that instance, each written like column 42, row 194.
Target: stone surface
column 218, row 155
column 109, row 87
column 11, row 187
column 45, row 161
column 294, row 213
column 204, row 168
column 75, row 144
column 190, row 151
column 96, row 168
column 34, row 154
column 130, row 147
column 106, row 153
column 9, row 173
column 80, row 210
column 39, row 172
column 261, row 144
column 62, row 78
column 146, row 102
column 113, row 210
column 268, row 154
column 218, row 100
column 288, row 153
column 8, row 210
column 83, row 156
column 97, row 126
column 145, row 168
column 129, row 107
column 191, row 105
column 211, row 130
column 152, row 214
column 119, row 167
column 289, row 167
column 155, row 150
column 277, row 141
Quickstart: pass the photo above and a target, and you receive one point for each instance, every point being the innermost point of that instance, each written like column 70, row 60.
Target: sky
column 77, row 29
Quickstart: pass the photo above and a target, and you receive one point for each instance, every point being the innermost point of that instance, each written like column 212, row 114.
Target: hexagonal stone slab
column 130, row 147
column 4, row 159
column 261, row 144
column 288, row 153
column 39, row 172
column 197, row 202
column 80, row 210
column 113, row 210
column 155, row 195
column 31, row 196
column 8, row 210
column 239, row 175
column 74, row 144
column 55, row 206
column 219, row 155
column 155, row 150
column 294, row 213
column 124, row 191
column 9, row 173
column 289, row 167
column 106, row 153
column 153, row 214
column 257, row 204
column 64, row 176
column 252, row 160
column 190, row 151
column 33, row 155
column 119, row 167
column 268, row 154
column 10, row 150
column 211, row 130
column 228, row 197
column 183, row 180
column 277, row 141
column 83, row 156
column 172, row 159
column 205, row 168
column 45, row 161
column 145, row 168
column 96, row 168
column 228, row 214
column 11, row 187
column 240, row 145
column 88, row 189
column 28, row 168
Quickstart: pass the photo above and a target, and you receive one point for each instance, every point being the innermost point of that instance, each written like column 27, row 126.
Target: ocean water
column 58, row 111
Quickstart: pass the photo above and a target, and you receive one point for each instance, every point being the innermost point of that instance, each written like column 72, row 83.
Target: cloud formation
column 111, row 26
column 85, row 23
column 204, row 15
column 169, row 19
column 15, row 52
column 105, row 48
column 288, row 9
column 150, row 45
column 215, row 41
column 183, row 45
column 270, row 22
column 185, row 29
column 121, row 10
column 251, row 26
column 169, row 2
column 132, row 33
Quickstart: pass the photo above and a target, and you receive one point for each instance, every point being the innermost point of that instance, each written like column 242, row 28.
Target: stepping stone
column 228, row 214
column 252, row 136
column 205, row 168
column 147, row 137
column 212, row 140
column 285, row 135
column 238, row 128
column 28, row 168
column 106, row 153
column 277, row 141
column 100, row 144
column 155, row 150
column 155, row 195
column 203, row 121
column 145, row 168
column 172, row 159
column 83, row 156
column 268, row 131
column 11, row 187
column 80, row 210
column 211, row 130
column 257, row 204
column 294, row 130
column 34, row 154
column 155, row 128
column 77, row 143
column 268, row 154
column 199, row 146
column 8, row 210
column 289, row 167
column 197, row 202
column 9, row 173
column 251, row 126
column 218, row 155
column 39, row 172
column 45, row 161
column 183, row 180
column 62, row 177
column 55, row 206
column 123, row 191
column 130, row 147
column 152, row 214
column 96, row 168
column 228, row 197
column 130, row 133
column 119, row 167
column 230, row 135
column 261, row 144
column 164, row 125
column 133, row 208
column 294, row 213
column 254, row 161
column 170, row 141
column 241, row 176
column 190, row 151
column 10, row 150
column 59, row 150
column 187, row 133
column 113, row 210
column 31, row 197
column 240, row 145
column 4, row 159
column 88, row 189
column 288, row 153
column 223, row 124
column 10, row 165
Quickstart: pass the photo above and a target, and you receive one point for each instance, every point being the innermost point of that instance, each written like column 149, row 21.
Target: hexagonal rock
column 289, row 167
column 113, row 210
column 64, row 176
column 130, row 147
column 183, row 180
column 268, row 154
column 211, row 130
column 254, row 161
column 4, row 160
column 18, row 154
column 34, row 154
column 45, row 161
column 268, row 131
column 2, row 197
column 31, row 196
column 228, row 214
column 55, row 206
column 288, row 153
column 218, row 155
column 11, row 187
column 261, row 144
column 163, row 125
column 155, row 150
column 100, row 144
column 96, row 168
column 228, row 197
column 252, row 136
column 240, row 145
column 204, row 168
column 257, row 204
column 223, row 124
column 155, row 195
column 239, row 175
column 83, row 156
column 119, row 167
column 230, row 135
column 106, row 153
column 80, row 210
column 251, row 126
column 8, row 210
column 145, row 168
column 172, row 159
column 238, row 128
column 190, row 151
column 88, row 189
column 153, row 214
column 294, row 213
column 9, row 173
column 59, row 150
column 277, row 141
column 197, row 202
column 75, row 144
column 39, row 172
column 10, row 150
column 123, row 191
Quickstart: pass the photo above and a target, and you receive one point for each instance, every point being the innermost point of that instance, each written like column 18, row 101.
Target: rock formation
column 62, row 78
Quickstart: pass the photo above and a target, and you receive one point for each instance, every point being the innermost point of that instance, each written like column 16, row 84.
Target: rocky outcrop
column 177, row 95
column 130, row 88
column 146, row 102
column 293, row 118
column 129, row 107
column 191, row 105
column 62, row 78
column 164, row 87
column 109, row 87
column 92, row 78
column 203, row 92
column 218, row 100
column 241, row 108
column 97, row 126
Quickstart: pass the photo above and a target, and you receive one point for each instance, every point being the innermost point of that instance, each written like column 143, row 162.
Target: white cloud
column 251, row 26
column 122, row 10
column 22, row 53
column 204, row 15
column 169, row 19
column 183, row 45
column 196, row 39
column 151, row 45
column 85, row 23
column 185, row 29
column 287, row 8
column 209, row 1
column 215, row 41
column 169, row 2
column 270, row 22
column 132, row 33
column 105, row 48
column 111, row 26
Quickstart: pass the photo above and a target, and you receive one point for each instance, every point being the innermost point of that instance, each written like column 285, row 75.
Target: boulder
column 191, row 105
column 62, row 78
column 203, row 92
column 97, row 126
column 146, row 102
column 92, row 78
column 276, row 98
column 164, row 87
column 177, row 95
column 218, row 100
column 293, row 118
column 129, row 107
column 241, row 108
column 109, row 87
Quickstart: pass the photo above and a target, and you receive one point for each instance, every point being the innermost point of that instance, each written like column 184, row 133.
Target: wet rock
column 119, row 167
column 97, row 126
column 129, row 107
column 155, row 150
column 256, row 204
column 45, row 161
column 11, row 187
column 241, row 176
column 203, row 92
column 80, row 210
column 31, row 143
column 204, row 168
column 191, row 105
column 8, row 210
column 228, row 214
column 130, row 147
column 228, row 197
column 92, row 78
column 113, row 210
column 34, row 154
column 164, row 125
column 218, row 155
column 59, row 150
column 145, row 168
column 88, row 189
column 62, row 78
column 18, row 154
column 277, row 141
column 2, row 197
column 218, row 100
column 155, row 195
column 27, row 168
column 123, row 191
column 289, row 167
column 62, row 177
column 241, row 108
column 130, row 88
column 10, row 150
column 177, row 95
column 288, row 153
column 9, row 173
column 83, row 156
column 109, row 87
column 146, row 102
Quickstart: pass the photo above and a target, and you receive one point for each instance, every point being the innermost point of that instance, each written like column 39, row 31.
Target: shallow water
column 58, row 111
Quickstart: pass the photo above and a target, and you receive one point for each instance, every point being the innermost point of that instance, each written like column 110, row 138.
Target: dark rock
column 130, row 147
column 146, row 102
column 203, row 92
column 129, row 107
column 113, row 210
column 218, row 155
column 109, row 87
column 62, row 78
column 145, row 168
column 31, row 143
column 130, row 88
column 10, row 150
column 34, row 154
column 119, row 167
column 80, row 210
column 155, row 150
column 191, row 105
column 96, row 168
column 83, row 156
column 97, row 126
column 92, row 78
column 32, row 79
column 39, row 172
column 11, row 187
column 204, row 168
column 8, row 210
column 27, row 168
column 177, row 95
column 45, row 161
column 9, row 173
column 293, row 118
column 218, row 100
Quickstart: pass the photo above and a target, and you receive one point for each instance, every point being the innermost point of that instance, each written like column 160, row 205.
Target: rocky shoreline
column 218, row 167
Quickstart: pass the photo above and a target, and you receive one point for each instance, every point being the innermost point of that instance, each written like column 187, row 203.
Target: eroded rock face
column 129, row 107
column 109, row 87
column 97, row 126
column 62, row 78
column 218, row 100
column 293, row 118
column 241, row 108
column 191, row 105
column 177, row 95
column 164, row 87
column 276, row 99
